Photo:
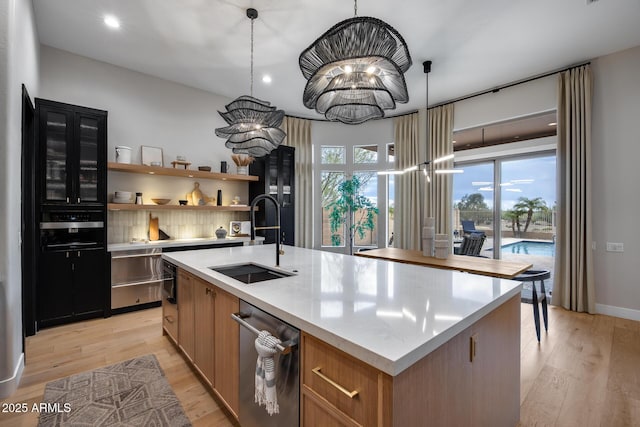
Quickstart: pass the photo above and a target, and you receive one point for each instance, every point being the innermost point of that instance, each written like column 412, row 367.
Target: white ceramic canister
column 123, row 154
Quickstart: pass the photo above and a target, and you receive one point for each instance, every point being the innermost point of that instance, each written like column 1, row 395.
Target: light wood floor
column 585, row 372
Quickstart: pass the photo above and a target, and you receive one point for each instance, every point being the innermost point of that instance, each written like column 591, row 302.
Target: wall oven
column 60, row 231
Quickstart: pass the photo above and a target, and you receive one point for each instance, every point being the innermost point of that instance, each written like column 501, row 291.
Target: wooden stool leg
column 536, row 311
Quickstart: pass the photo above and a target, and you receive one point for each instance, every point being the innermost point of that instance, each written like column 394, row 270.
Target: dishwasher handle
column 284, row 348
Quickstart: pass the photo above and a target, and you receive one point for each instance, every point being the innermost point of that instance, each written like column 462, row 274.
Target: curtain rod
column 473, row 95
column 515, row 83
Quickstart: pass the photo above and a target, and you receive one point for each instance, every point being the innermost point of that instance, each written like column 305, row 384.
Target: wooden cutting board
column 154, row 234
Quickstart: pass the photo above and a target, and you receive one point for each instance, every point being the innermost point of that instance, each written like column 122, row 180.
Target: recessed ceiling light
column 266, row 79
column 111, row 21
column 552, row 124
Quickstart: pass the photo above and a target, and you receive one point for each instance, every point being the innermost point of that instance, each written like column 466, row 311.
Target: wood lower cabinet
column 227, row 349
column 170, row 319
column 208, row 336
column 471, row 380
column 186, row 311
column 204, row 309
column 339, row 389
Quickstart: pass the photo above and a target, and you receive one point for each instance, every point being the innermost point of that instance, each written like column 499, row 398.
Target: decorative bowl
column 182, row 202
column 161, row 201
column 204, row 168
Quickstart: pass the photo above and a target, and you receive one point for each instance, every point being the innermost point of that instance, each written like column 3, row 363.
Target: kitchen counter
column 115, row 247
column 387, row 314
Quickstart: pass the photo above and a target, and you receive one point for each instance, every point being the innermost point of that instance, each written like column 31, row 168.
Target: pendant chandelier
column 253, row 124
column 355, row 70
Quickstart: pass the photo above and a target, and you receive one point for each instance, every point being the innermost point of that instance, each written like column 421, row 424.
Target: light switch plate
column 615, row 247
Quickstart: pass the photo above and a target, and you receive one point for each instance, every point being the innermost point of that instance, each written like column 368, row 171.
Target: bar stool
column 531, row 296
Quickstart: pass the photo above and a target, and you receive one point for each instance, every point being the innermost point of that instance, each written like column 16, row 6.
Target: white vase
column 243, row 170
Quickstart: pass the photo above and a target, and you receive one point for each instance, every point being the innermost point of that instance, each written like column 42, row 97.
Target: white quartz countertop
column 115, row 247
column 387, row 314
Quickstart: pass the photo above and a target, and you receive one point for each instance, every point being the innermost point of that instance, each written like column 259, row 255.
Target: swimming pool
column 527, row 247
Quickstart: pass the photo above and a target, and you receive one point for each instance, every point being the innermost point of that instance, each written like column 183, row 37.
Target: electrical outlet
column 615, row 247
column 593, row 246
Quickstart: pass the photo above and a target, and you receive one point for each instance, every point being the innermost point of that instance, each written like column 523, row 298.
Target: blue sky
column 530, row 178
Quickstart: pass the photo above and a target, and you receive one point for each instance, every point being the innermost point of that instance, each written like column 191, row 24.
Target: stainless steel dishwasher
column 287, row 361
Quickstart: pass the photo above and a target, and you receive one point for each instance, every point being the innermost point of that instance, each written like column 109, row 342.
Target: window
column 367, row 154
column 332, row 155
column 339, row 162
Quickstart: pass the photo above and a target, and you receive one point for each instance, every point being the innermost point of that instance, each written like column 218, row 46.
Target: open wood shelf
column 134, row 207
column 184, row 173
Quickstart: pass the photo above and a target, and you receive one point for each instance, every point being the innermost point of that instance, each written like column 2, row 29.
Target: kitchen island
column 435, row 345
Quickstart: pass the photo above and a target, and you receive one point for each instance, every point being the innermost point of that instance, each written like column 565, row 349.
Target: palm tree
column 529, row 206
column 514, row 215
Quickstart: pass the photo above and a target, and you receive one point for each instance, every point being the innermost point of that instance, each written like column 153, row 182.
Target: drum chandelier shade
column 253, row 124
column 355, row 70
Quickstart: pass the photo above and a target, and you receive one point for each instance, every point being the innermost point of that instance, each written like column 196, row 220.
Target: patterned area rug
column 131, row 393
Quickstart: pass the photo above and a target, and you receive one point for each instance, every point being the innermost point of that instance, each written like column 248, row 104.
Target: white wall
column 18, row 65
column 145, row 110
column 521, row 100
column 616, row 205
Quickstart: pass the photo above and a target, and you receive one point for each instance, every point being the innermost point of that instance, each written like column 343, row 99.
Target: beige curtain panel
column 299, row 136
column 438, row 193
column 406, row 221
column 574, row 287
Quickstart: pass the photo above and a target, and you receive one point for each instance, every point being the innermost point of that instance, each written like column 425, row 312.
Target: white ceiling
column 474, row 45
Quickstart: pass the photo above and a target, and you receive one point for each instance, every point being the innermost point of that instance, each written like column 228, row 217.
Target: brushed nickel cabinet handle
column 350, row 394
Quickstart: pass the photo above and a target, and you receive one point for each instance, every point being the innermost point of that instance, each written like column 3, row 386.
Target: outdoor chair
column 469, row 227
column 471, row 245
column 532, row 296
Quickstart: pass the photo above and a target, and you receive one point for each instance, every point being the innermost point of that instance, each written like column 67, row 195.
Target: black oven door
column 62, row 236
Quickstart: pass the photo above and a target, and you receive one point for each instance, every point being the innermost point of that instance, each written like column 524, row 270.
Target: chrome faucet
column 270, row 227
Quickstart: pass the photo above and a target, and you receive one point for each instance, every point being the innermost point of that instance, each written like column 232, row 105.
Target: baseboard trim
column 10, row 385
column 624, row 313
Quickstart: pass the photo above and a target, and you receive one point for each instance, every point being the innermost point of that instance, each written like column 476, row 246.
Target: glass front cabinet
column 73, row 144
column 276, row 175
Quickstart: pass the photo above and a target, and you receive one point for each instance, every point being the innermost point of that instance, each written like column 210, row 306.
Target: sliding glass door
column 524, row 190
column 473, row 195
column 527, row 201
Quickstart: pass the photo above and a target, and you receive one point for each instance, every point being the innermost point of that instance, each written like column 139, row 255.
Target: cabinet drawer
column 130, row 295
column 170, row 319
column 333, row 374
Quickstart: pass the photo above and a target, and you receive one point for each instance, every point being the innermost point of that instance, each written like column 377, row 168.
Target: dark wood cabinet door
column 89, row 281
column 72, row 285
column 277, row 178
column 89, row 140
column 55, row 293
column 73, row 149
column 56, row 151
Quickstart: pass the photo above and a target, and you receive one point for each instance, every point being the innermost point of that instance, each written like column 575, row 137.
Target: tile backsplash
column 125, row 226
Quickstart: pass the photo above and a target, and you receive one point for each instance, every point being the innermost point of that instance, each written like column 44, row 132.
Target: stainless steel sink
column 251, row 273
